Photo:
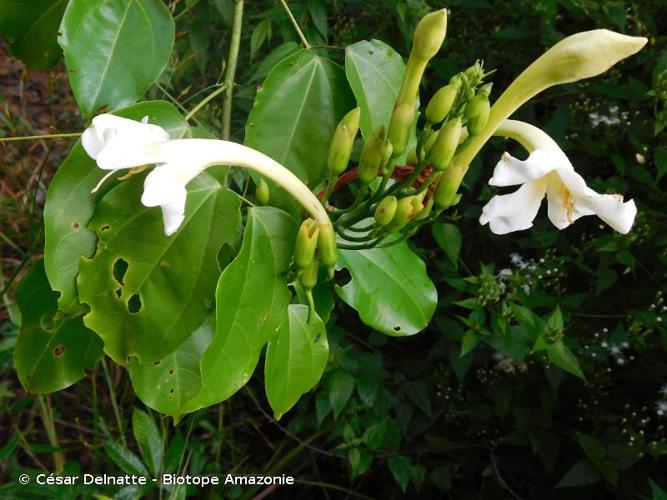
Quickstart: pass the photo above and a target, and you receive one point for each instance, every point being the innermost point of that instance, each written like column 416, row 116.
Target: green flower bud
column 442, row 152
column 406, row 209
column 476, row 124
column 387, row 150
column 262, row 192
column 385, row 210
column 400, row 124
column 371, row 156
column 306, row 243
column 445, row 195
column 426, row 210
column 412, row 157
column 328, row 248
column 441, row 103
column 430, row 34
column 476, row 105
column 308, row 275
column 456, row 81
column 430, row 141
column 342, row 142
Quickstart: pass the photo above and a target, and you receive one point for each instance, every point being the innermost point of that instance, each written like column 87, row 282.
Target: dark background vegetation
column 404, row 415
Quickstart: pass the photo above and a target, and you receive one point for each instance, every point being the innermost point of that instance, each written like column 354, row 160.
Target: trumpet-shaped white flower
column 548, row 172
column 119, row 143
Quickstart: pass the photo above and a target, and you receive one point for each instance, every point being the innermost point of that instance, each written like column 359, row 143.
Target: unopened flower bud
column 371, row 156
column 445, row 195
column 400, row 125
column 342, row 142
column 387, row 153
column 426, row 211
column 430, row 34
column 308, row 275
column 412, row 157
column 262, row 192
column 385, row 210
column 441, row 103
column 328, row 248
column 306, row 243
column 442, row 152
column 406, row 209
column 477, row 113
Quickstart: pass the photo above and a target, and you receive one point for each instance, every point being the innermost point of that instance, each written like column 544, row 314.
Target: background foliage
column 474, row 403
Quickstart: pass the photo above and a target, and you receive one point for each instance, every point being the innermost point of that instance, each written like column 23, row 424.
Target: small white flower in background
column 549, row 173
column 661, row 408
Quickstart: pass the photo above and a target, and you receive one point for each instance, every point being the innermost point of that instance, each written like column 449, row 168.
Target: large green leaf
column 115, row 49
column 148, row 292
column 30, row 29
column 166, row 385
column 51, row 353
column 296, row 111
column 251, row 300
column 70, row 205
column 295, row 359
column 375, row 71
column 389, row 288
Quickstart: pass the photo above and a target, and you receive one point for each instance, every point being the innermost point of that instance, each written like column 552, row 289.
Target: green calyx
column 306, row 243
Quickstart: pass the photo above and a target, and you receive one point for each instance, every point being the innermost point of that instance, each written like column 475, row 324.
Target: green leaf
column 469, row 342
column 115, row 50
column 389, row 288
column 70, row 205
column 563, row 357
column 295, row 359
column 148, row 438
column 296, row 111
column 360, row 461
column 449, row 239
column 30, row 30
column 148, row 292
column 375, row 71
column 341, row 387
column 555, row 321
column 657, row 493
column 51, row 353
column 581, row 474
column 259, row 35
column 168, row 384
column 400, row 469
column 251, row 299
column 418, row 393
column 594, row 449
column 127, row 461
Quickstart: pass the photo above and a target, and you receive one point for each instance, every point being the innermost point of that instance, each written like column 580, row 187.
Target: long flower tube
column 119, row 143
column 583, row 55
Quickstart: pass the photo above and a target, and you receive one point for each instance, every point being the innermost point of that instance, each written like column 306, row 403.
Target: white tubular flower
column 119, row 143
column 548, row 172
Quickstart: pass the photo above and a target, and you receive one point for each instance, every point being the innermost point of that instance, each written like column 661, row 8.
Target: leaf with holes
column 389, row 288
column 51, row 353
column 251, row 300
column 70, row 205
column 30, row 30
column 148, row 292
column 295, row 359
column 115, row 50
column 296, row 111
column 167, row 384
column 375, row 71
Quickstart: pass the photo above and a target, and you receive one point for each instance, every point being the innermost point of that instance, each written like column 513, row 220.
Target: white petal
column 511, row 171
column 117, row 142
column 563, row 194
column 92, row 142
column 514, row 211
column 162, row 188
column 585, row 201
